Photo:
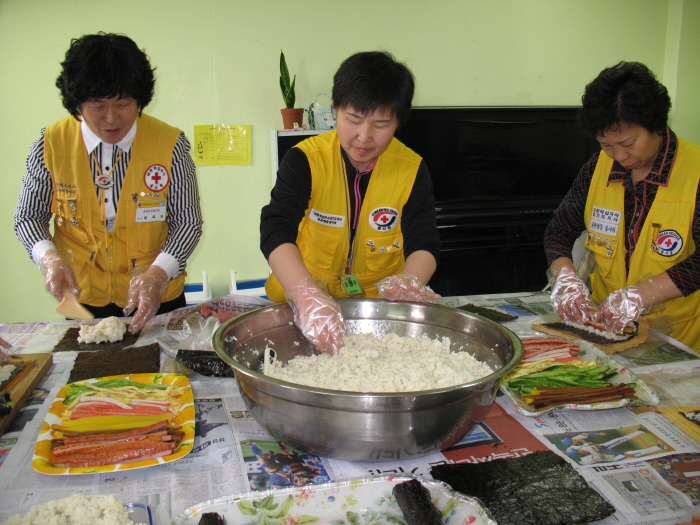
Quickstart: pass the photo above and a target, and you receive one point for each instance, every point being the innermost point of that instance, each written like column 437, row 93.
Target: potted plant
column 291, row 116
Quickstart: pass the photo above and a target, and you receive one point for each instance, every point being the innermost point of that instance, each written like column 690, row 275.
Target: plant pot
column 293, row 116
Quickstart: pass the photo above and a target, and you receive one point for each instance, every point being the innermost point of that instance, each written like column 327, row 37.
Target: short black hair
column 627, row 93
column 105, row 65
column 374, row 80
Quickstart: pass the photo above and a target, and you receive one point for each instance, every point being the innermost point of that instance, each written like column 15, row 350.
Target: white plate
column 354, row 501
column 646, row 396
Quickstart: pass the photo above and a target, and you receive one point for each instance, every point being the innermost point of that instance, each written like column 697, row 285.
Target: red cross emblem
column 156, row 178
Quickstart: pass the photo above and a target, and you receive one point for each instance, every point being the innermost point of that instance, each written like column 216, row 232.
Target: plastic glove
column 145, row 290
column 570, row 296
column 628, row 304
column 405, row 287
column 4, row 358
column 317, row 315
column 59, row 273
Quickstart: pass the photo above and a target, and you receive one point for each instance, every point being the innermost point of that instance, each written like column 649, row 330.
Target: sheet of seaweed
column 13, row 374
column 494, row 315
column 204, row 362
column 584, row 334
column 136, row 360
column 69, row 342
column 538, row 489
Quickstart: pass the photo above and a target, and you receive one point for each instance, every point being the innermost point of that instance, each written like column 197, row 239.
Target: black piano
column 499, row 173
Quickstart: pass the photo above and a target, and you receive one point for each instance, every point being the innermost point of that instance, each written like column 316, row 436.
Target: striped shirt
column 568, row 221
column 184, row 216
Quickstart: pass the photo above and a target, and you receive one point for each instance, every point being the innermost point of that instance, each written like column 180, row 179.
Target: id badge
column 351, row 284
column 150, row 211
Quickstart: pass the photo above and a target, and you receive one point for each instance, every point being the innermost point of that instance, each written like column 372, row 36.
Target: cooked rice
column 601, row 333
column 391, row 363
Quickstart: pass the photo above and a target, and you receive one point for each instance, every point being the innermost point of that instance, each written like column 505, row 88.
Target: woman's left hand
column 405, row 288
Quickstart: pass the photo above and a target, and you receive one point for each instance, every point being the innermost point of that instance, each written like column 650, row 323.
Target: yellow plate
column 184, row 418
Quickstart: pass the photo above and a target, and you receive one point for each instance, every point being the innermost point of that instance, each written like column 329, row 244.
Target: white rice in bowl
column 391, row 363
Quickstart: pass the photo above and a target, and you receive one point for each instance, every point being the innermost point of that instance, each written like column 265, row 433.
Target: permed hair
column 105, row 65
column 624, row 94
column 374, row 81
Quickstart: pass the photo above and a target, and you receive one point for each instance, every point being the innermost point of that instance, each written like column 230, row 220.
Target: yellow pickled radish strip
column 96, row 423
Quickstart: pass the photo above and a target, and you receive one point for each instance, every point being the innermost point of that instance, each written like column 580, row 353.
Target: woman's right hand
column 317, row 315
column 59, row 274
column 570, row 296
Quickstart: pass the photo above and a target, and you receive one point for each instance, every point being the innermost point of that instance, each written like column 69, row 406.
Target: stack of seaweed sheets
column 539, row 489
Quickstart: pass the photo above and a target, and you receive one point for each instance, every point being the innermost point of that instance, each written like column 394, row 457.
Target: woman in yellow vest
column 352, row 213
column 638, row 202
column 116, row 254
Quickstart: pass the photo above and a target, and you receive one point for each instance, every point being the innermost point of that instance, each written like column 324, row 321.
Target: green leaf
column 268, row 503
column 303, row 518
column 284, row 507
column 247, row 508
column 286, row 86
column 284, row 73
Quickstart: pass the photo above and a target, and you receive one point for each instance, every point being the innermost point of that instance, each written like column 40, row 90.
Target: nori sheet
column 69, row 342
column 416, row 504
column 538, row 489
column 17, row 370
column 5, row 406
column 584, row 334
column 494, row 315
column 136, row 360
column 212, row 518
column 204, row 362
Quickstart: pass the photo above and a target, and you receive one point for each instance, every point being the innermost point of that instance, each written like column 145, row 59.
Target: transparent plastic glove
column 570, row 296
column 317, row 315
column 405, row 287
column 59, row 273
column 627, row 304
column 145, row 290
column 4, row 358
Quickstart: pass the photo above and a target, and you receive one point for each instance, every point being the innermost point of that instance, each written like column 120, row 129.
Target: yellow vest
column 665, row 240
column 103, row 262
column 324, row 232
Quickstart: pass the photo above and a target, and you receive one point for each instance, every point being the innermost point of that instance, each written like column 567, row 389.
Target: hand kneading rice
column 391, row 363
column 109, row 330
column 78, row 509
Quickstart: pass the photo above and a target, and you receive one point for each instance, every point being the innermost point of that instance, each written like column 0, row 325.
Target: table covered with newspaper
column 658, row 485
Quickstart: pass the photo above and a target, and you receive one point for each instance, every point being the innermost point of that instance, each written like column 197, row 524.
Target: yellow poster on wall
column 221, row 144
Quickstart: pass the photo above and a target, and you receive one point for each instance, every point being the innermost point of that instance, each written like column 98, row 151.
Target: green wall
column 217, row 62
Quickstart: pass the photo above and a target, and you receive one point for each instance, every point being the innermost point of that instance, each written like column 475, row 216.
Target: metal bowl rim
column 240, row 369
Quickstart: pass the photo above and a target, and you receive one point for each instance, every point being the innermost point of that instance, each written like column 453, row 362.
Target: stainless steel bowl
column 360, row 426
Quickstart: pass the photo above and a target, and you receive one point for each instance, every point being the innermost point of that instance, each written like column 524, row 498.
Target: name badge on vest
column 337, row 221
column 150, row 211
column 605, row 221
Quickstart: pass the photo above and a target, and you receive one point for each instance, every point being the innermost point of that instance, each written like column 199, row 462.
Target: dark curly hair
column 371, row 81
column 626, row 93
column 105, row 65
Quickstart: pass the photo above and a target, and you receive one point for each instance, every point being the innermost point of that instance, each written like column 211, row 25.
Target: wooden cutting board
column 26, row 383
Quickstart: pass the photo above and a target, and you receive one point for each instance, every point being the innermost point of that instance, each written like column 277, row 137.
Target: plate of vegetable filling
column 563, row 374
column 116, row 423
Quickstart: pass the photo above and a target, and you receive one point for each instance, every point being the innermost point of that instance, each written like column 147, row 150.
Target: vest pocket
column 384, row 253
column 605, row 249
column 145, row 240
column 318, row 244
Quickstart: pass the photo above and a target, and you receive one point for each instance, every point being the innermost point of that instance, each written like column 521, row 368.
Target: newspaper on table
column 639, row 459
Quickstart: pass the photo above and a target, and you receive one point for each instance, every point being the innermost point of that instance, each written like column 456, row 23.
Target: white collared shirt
column 106, row 155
